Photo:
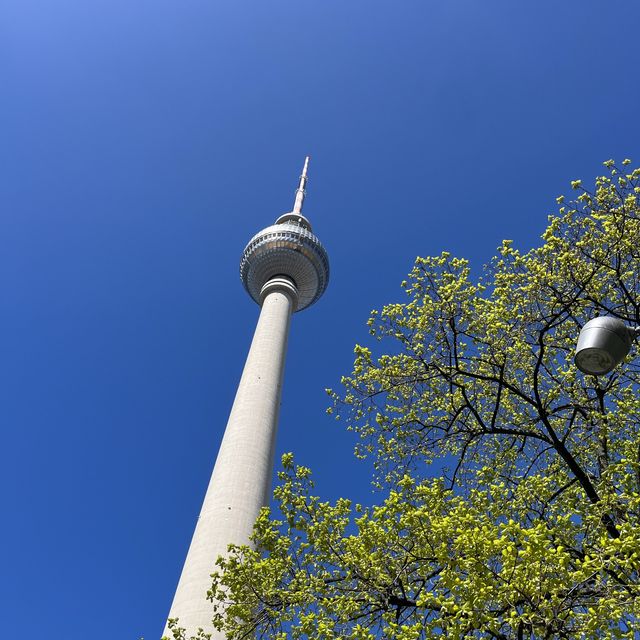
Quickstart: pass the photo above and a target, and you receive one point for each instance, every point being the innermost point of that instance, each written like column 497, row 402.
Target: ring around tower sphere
column 286, row 248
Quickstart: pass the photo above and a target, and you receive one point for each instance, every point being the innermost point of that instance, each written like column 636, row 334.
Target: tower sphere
column 286, row 248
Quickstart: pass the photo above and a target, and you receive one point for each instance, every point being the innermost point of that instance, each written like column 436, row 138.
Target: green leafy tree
column 528, row 527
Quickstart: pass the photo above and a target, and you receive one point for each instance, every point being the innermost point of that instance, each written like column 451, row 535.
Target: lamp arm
column 634, row 332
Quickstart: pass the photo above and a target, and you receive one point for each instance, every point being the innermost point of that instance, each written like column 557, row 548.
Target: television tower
column 285, row 269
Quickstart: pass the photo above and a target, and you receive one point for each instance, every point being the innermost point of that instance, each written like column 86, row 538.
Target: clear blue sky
column 143, row 142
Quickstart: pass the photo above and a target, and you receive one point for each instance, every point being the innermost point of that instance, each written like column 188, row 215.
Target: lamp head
column 602, row 345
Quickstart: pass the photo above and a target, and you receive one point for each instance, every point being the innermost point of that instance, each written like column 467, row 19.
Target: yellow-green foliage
column 533, row 530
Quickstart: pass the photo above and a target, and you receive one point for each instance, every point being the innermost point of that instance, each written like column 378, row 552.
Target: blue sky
column 142, row 143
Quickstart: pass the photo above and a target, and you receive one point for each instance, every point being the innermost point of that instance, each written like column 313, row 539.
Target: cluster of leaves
column 428, row 562
column 532, row 530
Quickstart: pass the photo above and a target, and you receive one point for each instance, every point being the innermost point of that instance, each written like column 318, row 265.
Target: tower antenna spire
column 301, row 191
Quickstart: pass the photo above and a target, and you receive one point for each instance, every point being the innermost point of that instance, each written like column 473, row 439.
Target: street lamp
column 602, row 345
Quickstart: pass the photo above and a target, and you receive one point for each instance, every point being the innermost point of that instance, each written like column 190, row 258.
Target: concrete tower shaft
column 282, row 274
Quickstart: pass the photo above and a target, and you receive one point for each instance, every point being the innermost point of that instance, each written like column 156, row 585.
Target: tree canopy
column 509, row 482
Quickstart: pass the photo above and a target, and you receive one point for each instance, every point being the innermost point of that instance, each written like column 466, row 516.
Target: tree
column 531, row 529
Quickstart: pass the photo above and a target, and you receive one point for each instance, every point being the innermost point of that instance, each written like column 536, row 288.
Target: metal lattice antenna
column 295, row 216
column 300, row 191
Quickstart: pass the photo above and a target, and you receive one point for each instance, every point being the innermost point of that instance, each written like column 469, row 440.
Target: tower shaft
column 240, row 484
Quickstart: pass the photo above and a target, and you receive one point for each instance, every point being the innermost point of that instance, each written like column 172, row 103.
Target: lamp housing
column 602, row 345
